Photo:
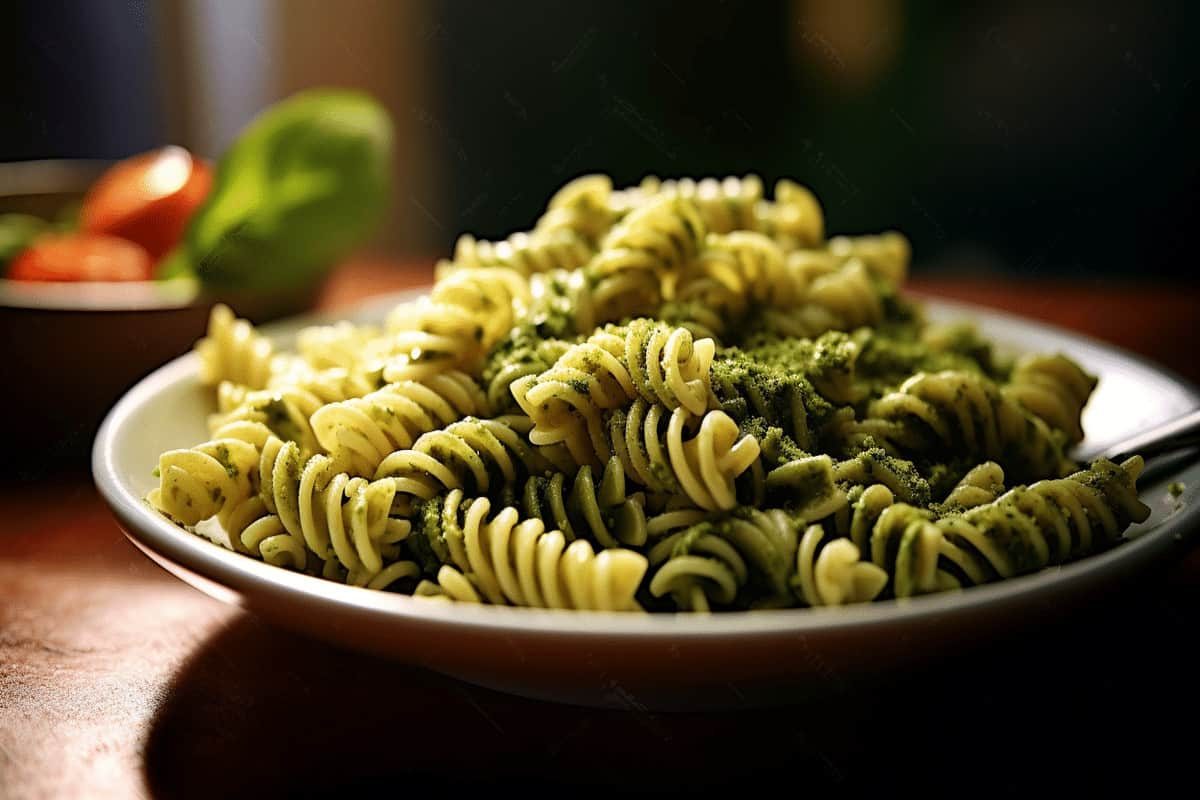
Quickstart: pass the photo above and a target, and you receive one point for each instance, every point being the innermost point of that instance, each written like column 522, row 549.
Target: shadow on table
column 1085, row 702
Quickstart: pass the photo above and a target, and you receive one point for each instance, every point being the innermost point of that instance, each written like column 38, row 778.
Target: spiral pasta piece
column 342, row 520
column 649, row 244
column 731, row 275
column 359, row 433
column 646, row 360
column 856, row 521
column 327, row 384
column 476, row 455
column 1046, row 523
column 841, row 300
column 256, row 527
column 600, row 506
column 731, row 204
column 340, row 345
column 622, row 201
column 885, row 255
column 706, row 563
column 1054, row 388
column 468, row 311
column 795, row 217
column 508, row 560
column 831, row 572
column 233, row 351
column 667, row 365
column 525, row 253
column 197, row 482
column 584, row 207
column 655, row 450
column 906, row 543
column 982, row 484
column 249, row 518
column 523, row 354
column 286, row 412
column 963, row 413
column 899, row 539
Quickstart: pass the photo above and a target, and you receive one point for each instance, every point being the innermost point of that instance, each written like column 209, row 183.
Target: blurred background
column 1022, row 137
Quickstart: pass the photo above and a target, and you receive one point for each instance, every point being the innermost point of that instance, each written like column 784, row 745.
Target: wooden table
column 118, row 680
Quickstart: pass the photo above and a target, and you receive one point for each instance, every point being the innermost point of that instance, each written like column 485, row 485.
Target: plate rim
column 245, row 576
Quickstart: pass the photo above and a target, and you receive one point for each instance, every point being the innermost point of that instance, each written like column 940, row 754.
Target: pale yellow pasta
column 510, row 561
column 361, row 432
column 470, row 454
column 341, row 344
column 1054, row 388
column 233, row 351
column 467, row 312
column 835, row 574
column 341, row 521
column 196, row 483
column 732, row 204
column 613, row 367
column 526, row 253
column 286, row 412
column 653, row 241
column 679, row 395
column 885, row 255
column 583, row 207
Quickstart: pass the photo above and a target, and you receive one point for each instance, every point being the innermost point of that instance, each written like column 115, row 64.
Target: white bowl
column 650, row 661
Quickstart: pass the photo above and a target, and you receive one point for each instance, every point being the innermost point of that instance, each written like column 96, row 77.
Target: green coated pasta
column 507, row 560
column 677, row 396
column 599, row 505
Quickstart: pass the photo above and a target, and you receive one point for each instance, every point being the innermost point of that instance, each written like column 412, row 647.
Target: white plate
column 648, row 661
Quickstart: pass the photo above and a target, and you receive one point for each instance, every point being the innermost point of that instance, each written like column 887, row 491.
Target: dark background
column 1031, row 138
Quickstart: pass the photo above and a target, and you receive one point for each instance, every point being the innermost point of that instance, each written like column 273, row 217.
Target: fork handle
column 1177, row 434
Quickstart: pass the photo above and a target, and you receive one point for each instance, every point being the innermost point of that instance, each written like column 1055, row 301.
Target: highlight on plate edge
column 675, row 396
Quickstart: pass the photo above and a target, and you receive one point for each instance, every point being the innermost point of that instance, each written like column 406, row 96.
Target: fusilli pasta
column 674, row 396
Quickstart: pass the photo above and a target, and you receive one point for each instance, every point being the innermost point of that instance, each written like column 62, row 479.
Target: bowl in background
column 69, row 350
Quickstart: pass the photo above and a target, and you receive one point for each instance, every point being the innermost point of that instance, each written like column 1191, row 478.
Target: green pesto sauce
column 906, row 472
column 532, row 345
column 279, row 419
column 661, row 472
column 746, row 387
column 226, row 461
column 685, row 543
column 426, row 544
column 777, row 447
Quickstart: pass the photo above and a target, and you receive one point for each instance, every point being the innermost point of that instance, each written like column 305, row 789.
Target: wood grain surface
column 117, row 680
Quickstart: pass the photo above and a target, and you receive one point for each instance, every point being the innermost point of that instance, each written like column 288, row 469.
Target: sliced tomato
column 148, row 198
column 81, row 257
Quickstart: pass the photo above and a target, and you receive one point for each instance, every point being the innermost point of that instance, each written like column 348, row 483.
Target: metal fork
column 1162, row 446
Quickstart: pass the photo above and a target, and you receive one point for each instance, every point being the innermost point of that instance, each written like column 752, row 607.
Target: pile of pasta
column 678, row 396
